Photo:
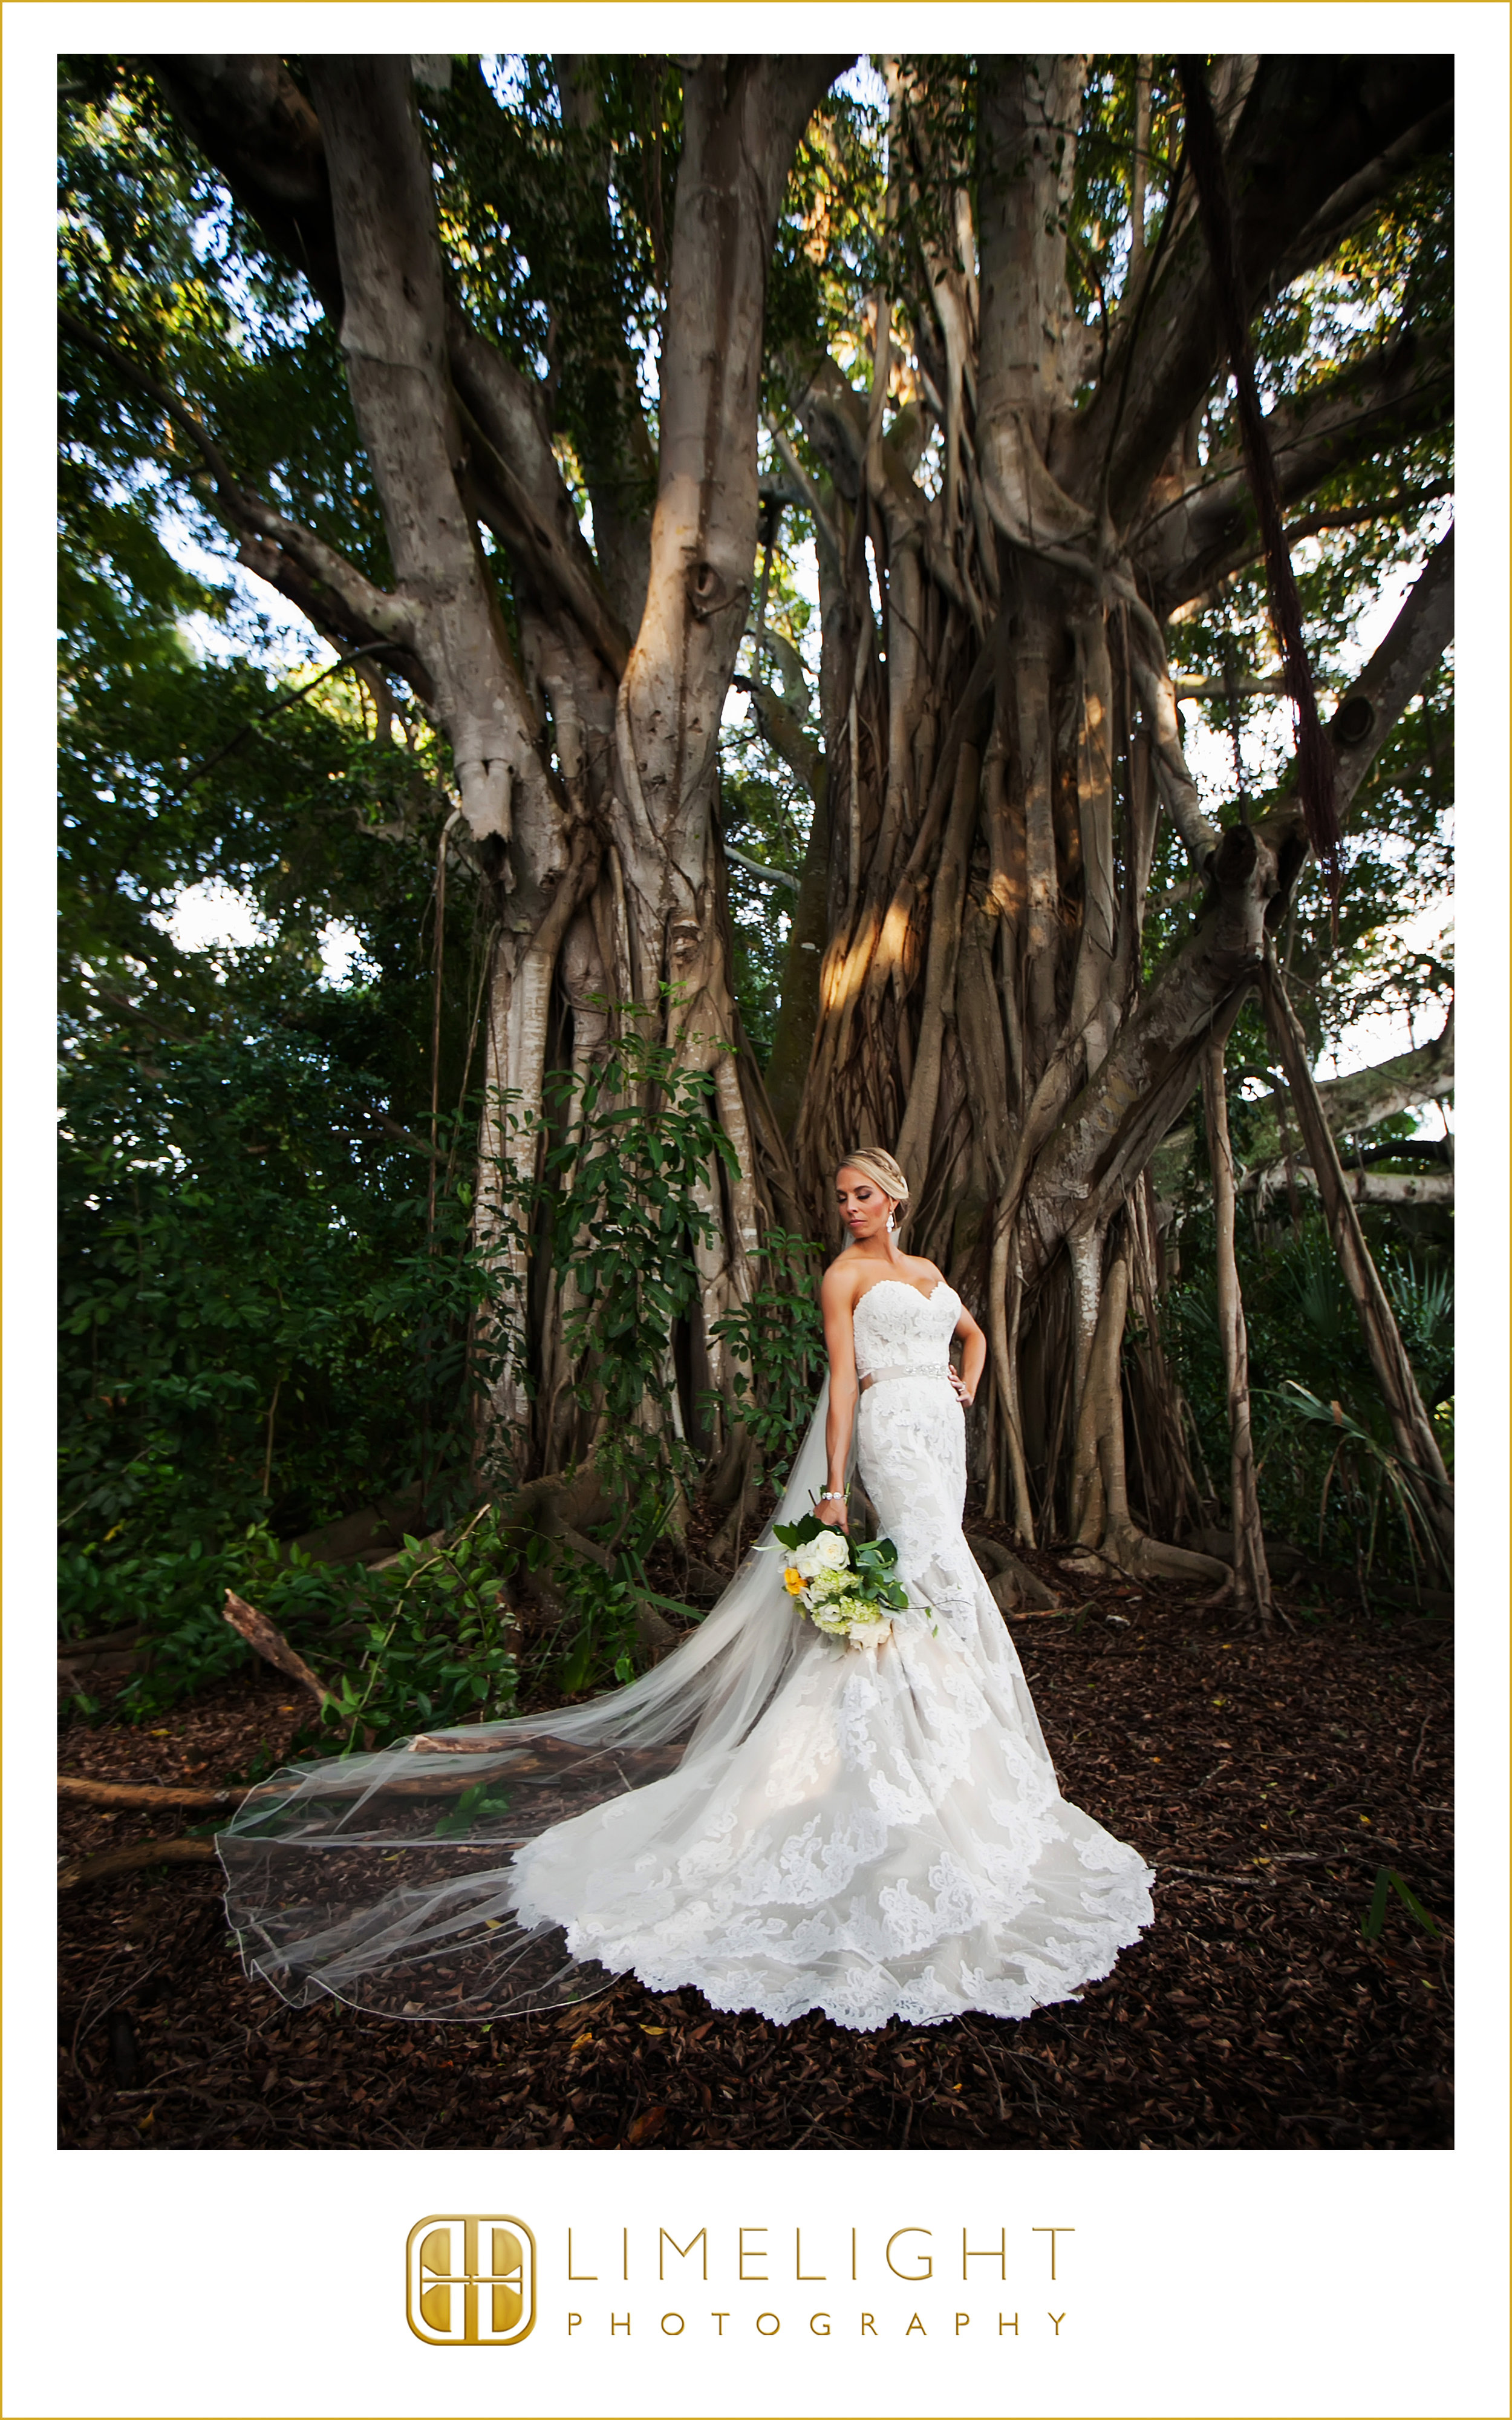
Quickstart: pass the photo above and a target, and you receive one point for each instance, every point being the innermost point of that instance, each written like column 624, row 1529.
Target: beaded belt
column 875, row 1377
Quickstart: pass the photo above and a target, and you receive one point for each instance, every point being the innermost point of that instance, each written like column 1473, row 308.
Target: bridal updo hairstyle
column 885, row 1174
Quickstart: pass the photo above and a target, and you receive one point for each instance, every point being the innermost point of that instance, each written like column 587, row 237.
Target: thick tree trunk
column 670, row 929
column 585, row 758
column 998, row 749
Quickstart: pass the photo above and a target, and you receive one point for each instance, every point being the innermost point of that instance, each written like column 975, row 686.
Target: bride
column 777, row 1819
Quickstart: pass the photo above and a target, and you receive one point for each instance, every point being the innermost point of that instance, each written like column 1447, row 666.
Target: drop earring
column 891, row 1221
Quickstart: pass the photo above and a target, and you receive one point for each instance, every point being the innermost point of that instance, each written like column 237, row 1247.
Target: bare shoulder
column 837, row 1287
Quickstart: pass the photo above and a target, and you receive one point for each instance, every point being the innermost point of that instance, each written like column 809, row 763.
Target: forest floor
column 1268, row 1783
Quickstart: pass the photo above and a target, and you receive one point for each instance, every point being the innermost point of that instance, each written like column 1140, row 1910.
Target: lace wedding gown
column 782, row 1822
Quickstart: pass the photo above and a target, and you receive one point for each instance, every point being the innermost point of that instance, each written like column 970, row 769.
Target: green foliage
column 832, row 239
column 569, row 273
column 1363, row 535
column 1372, row 1924
column 255, row 1321
column 434, row 1650
column 767, row 819
column 423, row 1643
column 1329, row 1476
column 1103, row 203
column 603, row 1607
column 766, row 802
column 777, row 1343
column 1373, row 1476
column 482, row 1804
column 631, row 1202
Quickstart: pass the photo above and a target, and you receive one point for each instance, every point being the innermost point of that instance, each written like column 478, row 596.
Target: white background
column 1217, row 2284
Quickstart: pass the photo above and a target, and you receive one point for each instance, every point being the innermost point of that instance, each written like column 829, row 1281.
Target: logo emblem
column 470, row 2281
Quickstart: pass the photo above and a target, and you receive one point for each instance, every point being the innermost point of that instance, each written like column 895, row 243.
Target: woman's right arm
column 840, row 1343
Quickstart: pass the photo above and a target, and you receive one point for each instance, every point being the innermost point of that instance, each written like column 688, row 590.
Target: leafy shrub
column 424, row 1641
column 256, row 1325
column 628, row 1211
column 1329, row 1478
column 777, row 1340
column 250, row 1290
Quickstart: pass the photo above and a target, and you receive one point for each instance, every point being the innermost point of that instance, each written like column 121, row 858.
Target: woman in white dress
column 780, row 1819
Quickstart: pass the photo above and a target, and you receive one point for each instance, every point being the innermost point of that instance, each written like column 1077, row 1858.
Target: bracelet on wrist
column 832, row 1496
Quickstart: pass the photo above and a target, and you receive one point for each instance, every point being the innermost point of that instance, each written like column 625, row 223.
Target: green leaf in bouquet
column 797, row 1533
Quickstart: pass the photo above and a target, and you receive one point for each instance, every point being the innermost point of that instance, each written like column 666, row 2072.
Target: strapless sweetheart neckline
column 908, row 1286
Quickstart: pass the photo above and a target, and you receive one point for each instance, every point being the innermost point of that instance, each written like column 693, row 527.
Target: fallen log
column 112, row 1656
column 143, row 1793
column 126, row 1861
column 104, row 1643
column 362, row 1537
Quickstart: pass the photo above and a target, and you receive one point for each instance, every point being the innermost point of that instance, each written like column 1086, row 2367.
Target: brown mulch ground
column 1267, row 1784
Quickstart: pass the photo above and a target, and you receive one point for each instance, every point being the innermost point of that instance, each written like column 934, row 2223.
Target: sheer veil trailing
column 388, row 1880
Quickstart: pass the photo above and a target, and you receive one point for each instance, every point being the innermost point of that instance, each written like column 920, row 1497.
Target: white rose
column 828, row 1552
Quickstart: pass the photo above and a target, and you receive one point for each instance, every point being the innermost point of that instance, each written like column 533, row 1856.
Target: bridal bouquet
column 844, row 1589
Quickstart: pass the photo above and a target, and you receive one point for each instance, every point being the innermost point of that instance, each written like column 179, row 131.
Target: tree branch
column 764, row 872
column 1400, row 508
column 835, row 421
column 1178, row 791
column 1143, row 1085
column 1410, row 1426
column 1190, row 684
column 1344, row 210
column 742, row 121
column 785, row 734
column 375, row 613
column 1307, row 127
column 1110, row 1130
column 615, row 448
column 330, row 614
column 1349, row 1104
column 521, row 492
column 825, row 529
column 1388, row 1191
column 1362, row 721
column 256, row 128
column 1397, row 672
column 247, row 114
column 394, row 337
column 1186, row 545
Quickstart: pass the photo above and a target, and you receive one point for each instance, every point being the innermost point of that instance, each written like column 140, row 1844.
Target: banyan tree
column 588, row 322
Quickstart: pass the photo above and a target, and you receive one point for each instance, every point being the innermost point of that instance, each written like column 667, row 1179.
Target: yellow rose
column 792, row 1580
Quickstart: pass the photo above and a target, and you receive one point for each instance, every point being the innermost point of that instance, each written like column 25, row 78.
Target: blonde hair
column 884, row 1172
